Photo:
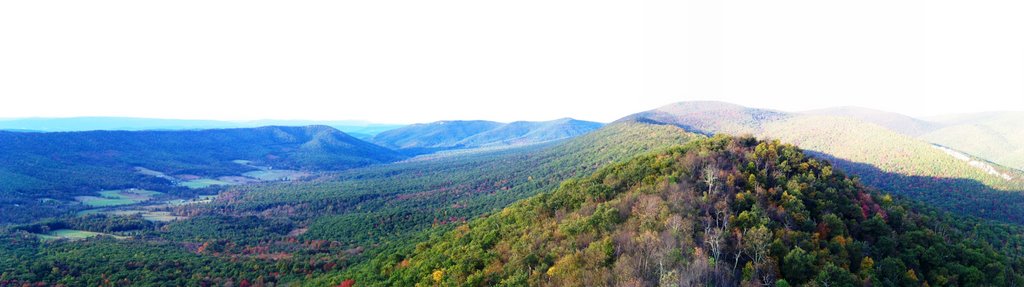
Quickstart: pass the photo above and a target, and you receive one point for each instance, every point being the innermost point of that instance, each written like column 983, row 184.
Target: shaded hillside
column 65, row 164
column 857, row 141
column 719, row 212
column 447, row 135
column 996, row 136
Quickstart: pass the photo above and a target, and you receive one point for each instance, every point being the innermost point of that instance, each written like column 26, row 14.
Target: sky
column 418, row 61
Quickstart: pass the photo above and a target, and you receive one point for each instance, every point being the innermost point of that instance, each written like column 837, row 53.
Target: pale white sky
column 417, row 61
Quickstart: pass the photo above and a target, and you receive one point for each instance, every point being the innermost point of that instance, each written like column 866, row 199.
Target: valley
column 681, row 194
column 575, row 143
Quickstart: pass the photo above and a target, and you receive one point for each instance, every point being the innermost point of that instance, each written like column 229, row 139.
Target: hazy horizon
column 416, row 61
column 356, row 122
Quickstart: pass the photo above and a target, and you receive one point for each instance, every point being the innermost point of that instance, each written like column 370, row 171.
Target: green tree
column 834, row 276
column 891, row 272
column 798, row 266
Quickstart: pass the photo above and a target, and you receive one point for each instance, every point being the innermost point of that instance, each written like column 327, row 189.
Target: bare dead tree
column 739, row 249
column 767, row 273
column 713, row 239
column 709, row 175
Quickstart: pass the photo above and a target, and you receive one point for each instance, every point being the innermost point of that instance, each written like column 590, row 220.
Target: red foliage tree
column 347, row 283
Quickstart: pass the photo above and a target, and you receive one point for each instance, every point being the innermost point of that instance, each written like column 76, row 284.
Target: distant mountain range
column 447, row 135
column 74, row 124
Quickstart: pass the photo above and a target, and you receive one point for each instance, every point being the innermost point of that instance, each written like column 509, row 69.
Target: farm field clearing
column 120, row 197
column 276, row 174
column 72, row 234
column 202, row 183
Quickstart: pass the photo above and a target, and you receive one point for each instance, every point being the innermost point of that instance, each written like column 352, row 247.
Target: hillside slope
column 447, row 135
column 709, row 117
column 883, row 157
column 441, row 134
column 719, row 212
column 997, row 136
column 994, row 136
column 515, row 133
column 902, row 164
column 897, row 122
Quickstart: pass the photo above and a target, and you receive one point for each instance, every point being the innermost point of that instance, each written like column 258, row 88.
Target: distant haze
column 421, row 61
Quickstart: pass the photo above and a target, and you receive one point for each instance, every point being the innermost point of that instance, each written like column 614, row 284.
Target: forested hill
column 718, row 212
column 446, row 135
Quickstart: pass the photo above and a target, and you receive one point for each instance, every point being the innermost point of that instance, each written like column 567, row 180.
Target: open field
column 96, row 201
column 150, row 211
column 150, row 172
column 162, row 216
column 238, row 179
column 146, row 214
column 71, row 234
column 109, row 198
column 202, row 183
column 133, row 194
column 276, row 174
column 268, row 173
column 200, row 199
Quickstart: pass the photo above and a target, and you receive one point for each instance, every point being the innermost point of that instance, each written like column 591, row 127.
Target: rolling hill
column 62, row 165
column 880, row 156
column 448, row 135
column 718, row 212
